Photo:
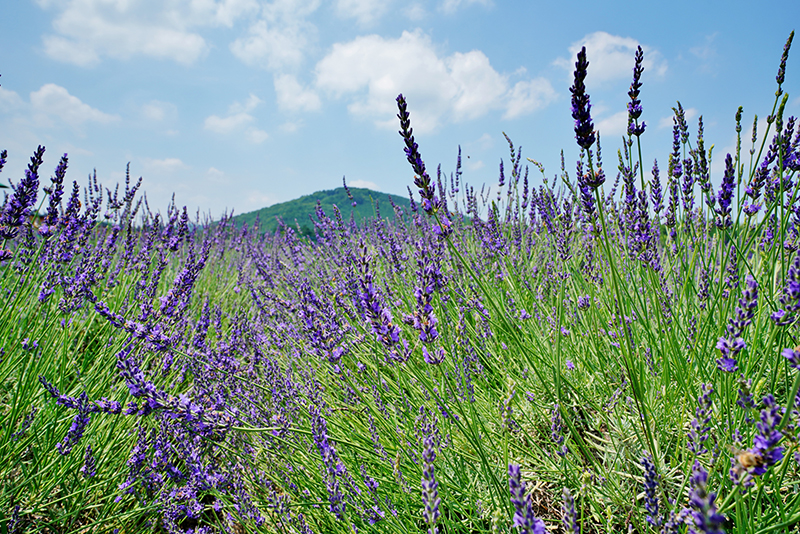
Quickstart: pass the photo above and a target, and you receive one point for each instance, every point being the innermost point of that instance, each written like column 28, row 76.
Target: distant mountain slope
column 299, row 209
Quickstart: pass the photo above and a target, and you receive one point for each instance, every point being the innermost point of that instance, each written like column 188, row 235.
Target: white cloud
column 216, row 176
column 477, row 82
column 157, row 111
column 256, row 136
column 224, row 13
column 451, row 6
column 52, row 100
column 372, row 70
column 613, row 126
column 87, row 30
column 224, row 125
column 272, row 48
column 249, row 105
column 291, row 126
column 166, row 165
column 415, row 12
column 10, row 101
column 280, row 39
column 527, row 97
column 611, row 57
column 238, row 117
column 706, row 51
column 364, row 11
column 293, row 97
column 366, row 184
column 484, row 142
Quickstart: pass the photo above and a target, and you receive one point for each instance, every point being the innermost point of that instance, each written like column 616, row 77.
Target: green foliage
column 301, row 211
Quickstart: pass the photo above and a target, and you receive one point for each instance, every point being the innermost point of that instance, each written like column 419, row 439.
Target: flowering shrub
column 560, row 358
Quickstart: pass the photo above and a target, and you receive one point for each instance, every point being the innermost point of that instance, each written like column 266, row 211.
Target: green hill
column 297, row 211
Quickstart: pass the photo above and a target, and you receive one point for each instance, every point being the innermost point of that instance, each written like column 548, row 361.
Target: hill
column 301, row 208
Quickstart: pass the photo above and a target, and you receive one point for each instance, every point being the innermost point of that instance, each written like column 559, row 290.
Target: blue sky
column 239, row 104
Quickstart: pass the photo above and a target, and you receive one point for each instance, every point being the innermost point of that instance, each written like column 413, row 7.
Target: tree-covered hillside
column 364, row 204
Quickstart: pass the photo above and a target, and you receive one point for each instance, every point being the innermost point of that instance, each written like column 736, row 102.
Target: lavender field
column 614, row 350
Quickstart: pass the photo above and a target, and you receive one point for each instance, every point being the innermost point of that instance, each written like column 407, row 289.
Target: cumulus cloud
column 414, row 12
column 451, row 6
column 238, row 119
column 256, row 136
column 611, row 57
column 484, row 142
column 372, row 70
column 164, row 166
column 280, row 39
column 364, row 11
column 247, row 106
column 475, row 165
column 52, row 101
column 527, row 97
column 271, row 47
column 293, row 97
column 87, row 30
column 10, row 101
column 216, row 176
column 366, row 184
column 225, row 125
column 157, row 111
column 613, row 126
column 238, row 116
column 291, row 126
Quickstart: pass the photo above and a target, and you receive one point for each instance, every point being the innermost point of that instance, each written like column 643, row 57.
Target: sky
column 240, row 104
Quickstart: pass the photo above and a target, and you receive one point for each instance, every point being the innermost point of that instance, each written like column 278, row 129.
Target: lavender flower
column 704, row 515
column 349, row 194
column 421, row 180
column 635, row 105
column 524, row 519
column 556, row 431
column 430, row 488
column 13, row 523
column 726, row 194
column 581, row 107
column 745, row 396
column 732, row 344
column 793, row 355
column 379, row 316
column 333, row 467
column 427, row 273
column 21, row 203
column 655, row 191
column 507, row 411
column 651, row 490
column 766, row 450
column 569, row 515
column 89, row 468
column 79, row 423
column 789, row 298
column 26, row 422
column 700, row 425
column 782, row 69
column 55, row 192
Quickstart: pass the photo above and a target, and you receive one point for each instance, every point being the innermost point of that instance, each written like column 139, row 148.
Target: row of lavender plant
column 581, row 355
